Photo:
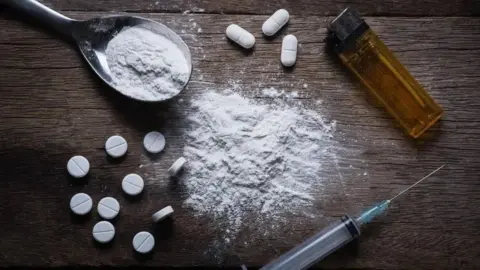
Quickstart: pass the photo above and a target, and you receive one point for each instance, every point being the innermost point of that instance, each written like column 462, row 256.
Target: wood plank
column 296, row 7
column 52, row 106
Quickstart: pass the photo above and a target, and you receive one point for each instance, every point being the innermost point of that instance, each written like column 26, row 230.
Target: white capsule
column 103, row 232
column 177, row 166
column 289, row 50
column 143, row 242
column 154, row 142
column 81, row 204
column 78, row 166
column 275, row 22
column 162, row 214
column 240, row 36
column 108, row 208
column 132, row 184
column 116, row 146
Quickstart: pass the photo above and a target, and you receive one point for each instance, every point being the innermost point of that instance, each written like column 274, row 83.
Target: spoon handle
column 47, row 15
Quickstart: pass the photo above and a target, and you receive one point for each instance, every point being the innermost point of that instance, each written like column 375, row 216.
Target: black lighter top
column 345, row 29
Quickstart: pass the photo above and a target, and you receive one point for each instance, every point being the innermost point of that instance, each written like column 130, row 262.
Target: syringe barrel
column 318, row 247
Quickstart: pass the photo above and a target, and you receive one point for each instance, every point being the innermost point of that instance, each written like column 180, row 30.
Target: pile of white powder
column 254, row 158
column 145, row 65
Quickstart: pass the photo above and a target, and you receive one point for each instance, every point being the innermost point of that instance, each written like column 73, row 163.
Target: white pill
column 103, row 232
column 143, row 242
column 132, row 184
column 162, row 214
column 240, row 36
column 108, row 208
column 154, row 142
column 116, row 146
column 275, row 22
column 177, row 166
column 289, row 50
column 81, row 204
column 78, row 166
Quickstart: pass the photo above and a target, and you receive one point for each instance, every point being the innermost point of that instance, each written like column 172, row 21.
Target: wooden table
column 52, row 107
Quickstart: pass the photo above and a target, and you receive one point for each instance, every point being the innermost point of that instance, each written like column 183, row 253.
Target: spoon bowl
column 92, row 37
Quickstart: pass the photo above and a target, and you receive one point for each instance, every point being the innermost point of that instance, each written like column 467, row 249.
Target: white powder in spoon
column 145, row 65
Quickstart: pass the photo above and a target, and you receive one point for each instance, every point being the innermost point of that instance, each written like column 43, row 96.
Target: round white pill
column 116, row 146
column 81, row 204
column 108, row 208
column 162, row 214
column 78, row 166
column 240, row 36
column 289, row 50
column 103, row 232
column 154, row 142
column 275, row 22
column 177, row 166
column 132, row 184
column 143, row 242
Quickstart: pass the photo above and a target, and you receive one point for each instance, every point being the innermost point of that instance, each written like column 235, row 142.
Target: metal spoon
column 92, row 36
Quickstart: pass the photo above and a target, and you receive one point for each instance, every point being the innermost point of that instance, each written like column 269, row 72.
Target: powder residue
column 274, row 93
column 254, row 157
column 145, row 65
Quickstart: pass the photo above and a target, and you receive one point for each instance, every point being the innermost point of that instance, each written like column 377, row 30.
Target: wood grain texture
column 304, row 7
column 52, row 107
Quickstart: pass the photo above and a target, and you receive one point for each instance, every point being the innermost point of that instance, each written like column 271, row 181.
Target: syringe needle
column 416, row 183
column 368, row 215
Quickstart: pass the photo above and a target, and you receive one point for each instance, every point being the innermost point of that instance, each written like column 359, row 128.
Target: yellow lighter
column 374, row 64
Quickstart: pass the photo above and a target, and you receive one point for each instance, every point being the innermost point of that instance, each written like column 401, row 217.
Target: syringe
column 332, row 238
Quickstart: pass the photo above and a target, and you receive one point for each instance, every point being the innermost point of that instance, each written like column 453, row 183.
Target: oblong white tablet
column 176, row 166
column 275, row 22
column 240, row 36
column 132, row 184
column 289, row 50
column 108, row 208
column 154, row 142
column 143, row 242
column 162, row 214
column 81, row 204
column 78, row 166
column 116, row 146
column 103, row 232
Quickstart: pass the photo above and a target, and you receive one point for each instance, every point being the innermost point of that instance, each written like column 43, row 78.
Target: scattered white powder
column 254, row 158
column 274, row 93
column 145, row 65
